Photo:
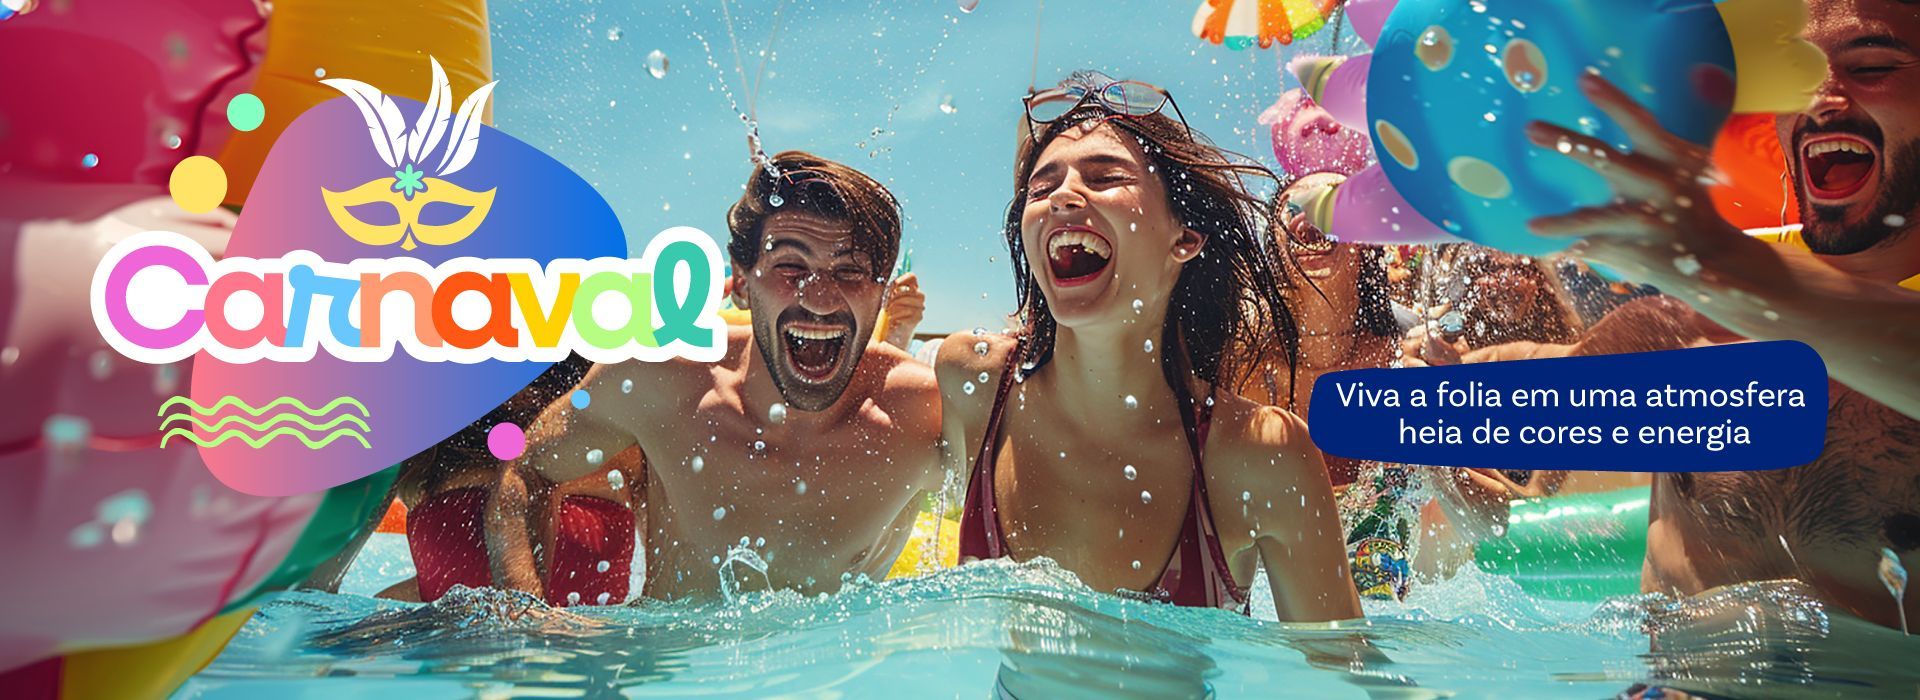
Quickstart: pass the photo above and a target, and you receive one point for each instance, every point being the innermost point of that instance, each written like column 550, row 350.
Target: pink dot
column 507, row 441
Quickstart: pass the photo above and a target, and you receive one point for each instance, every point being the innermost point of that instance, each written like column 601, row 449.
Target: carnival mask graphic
column 410, row 189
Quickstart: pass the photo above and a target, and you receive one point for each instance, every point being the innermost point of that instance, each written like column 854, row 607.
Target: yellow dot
column 1435, row 48
column 1397, row 144
column 1525, row 65
column 198, row 184
column 1479, row 178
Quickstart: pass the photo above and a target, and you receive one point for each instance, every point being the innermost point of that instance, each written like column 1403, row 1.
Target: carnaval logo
column 465, row 310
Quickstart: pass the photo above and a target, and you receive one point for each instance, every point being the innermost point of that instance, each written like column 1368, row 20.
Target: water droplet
column 614, row 34
column 1139, row 305
column 1131, row 403
column 65, row 432
column 698, row 463
column 657, row 64
column 1146, row 496
column 978, row 331
column 800, row 487
column 980, row 348
column 86, row 536
column 1894, row 221
column 1683, row 201
column 1149, row 346
column 618, row 480
column 595, row 457
column 720, row 513
column 166, row 378
column 1136, row 565
column 100, row 365
column 775, row 200
column 626, row 386
column 759, row 445
column 602, row 598
column 967, row 387
column 573, row 598
column 1687, row 264
column 172, row 141
column 969, row 5
column 1563, row 146
column 603, row 566
column 89, row 160
column 946, row 105
column 1771, row 315
column 777, row 413
column 319, row 72
column 984, row 378
column 1129, row 472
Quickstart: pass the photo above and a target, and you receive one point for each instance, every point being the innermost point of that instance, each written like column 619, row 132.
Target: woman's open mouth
column 1837, row 167
column 814, row 349
column 1077, row 255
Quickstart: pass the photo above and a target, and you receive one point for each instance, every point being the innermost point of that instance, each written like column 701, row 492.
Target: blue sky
column 669, row 152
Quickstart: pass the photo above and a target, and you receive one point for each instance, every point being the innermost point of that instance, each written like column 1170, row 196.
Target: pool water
column 1035, row 629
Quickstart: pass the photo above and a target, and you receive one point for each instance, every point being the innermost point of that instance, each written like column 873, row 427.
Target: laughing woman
column 1104, row 433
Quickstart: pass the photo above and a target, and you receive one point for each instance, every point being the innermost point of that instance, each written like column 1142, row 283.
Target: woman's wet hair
column 814, row 185
column 1376, row 301
column 1225, row 317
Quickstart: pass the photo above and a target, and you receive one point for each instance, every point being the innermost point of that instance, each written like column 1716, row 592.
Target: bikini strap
column 1198, row 421
column 983, row 461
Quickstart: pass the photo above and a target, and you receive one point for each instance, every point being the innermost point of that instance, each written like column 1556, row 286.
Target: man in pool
column 807, row 444
column 1854, row 156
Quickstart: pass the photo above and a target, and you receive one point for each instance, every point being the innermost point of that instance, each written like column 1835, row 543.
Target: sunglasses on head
column 1119, row 98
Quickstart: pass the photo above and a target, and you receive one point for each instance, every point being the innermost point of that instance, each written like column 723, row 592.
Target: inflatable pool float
column 1581, row 547
column 131, row 565
column 932, row 536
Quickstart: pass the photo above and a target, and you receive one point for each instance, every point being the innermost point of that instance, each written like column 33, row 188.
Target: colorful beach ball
column 1238, row 24
column 1454, row 84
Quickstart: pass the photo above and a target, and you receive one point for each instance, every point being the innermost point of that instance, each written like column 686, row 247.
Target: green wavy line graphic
column 299, row 405
column 256, row 442
column 277, row 418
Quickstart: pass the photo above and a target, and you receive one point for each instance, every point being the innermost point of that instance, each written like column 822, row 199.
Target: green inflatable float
column 1581, row 547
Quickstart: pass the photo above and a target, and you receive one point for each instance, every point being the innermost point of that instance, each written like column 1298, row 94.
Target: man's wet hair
column 813, row 185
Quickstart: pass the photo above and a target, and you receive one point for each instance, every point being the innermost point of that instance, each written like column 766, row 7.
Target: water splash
column 1894, row 577
column 741, row 555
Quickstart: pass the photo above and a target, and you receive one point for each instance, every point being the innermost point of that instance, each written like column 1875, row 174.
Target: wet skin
column 1827, row 521
column 832, row 488
column 1080, row 509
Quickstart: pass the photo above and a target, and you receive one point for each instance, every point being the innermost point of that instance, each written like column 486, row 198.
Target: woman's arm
column 511, row 507
column 1300, row 541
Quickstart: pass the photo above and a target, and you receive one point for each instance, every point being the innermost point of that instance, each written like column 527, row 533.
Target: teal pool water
column 1034, row 628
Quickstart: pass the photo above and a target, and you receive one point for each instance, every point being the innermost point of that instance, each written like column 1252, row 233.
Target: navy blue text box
column 1571, row 412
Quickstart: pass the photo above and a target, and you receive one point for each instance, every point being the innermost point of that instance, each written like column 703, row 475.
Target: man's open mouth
column 814, row 349
column 1077, row 255
column 1838, row 166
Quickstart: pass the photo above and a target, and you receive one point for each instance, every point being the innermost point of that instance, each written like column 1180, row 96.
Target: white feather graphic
column 465, row 137
column 433, row 119
column 382, row 115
